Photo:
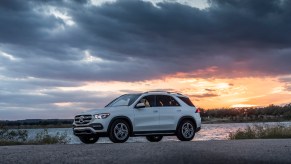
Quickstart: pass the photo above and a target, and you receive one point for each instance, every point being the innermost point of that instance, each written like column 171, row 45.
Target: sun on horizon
column 205, row 93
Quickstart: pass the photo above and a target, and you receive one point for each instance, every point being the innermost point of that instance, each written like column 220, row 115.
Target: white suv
column 152, row 114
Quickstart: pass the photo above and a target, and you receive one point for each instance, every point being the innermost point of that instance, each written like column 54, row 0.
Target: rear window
column 187, row 101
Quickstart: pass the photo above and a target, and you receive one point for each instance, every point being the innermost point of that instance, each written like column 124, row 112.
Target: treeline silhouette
column 37, row 122
column 250, row 113
column 269, row 113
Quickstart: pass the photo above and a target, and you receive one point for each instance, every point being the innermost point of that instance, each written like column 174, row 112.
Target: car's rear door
column 169, row 110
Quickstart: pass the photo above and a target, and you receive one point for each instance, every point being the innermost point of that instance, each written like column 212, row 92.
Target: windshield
column 124, row 100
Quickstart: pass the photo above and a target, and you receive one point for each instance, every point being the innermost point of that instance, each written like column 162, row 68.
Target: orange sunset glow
column 206, row 93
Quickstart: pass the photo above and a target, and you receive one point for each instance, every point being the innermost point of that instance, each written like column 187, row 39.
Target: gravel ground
column 235, row 151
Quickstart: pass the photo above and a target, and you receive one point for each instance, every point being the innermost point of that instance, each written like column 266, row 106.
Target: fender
column 186, row 117
column 122, row 118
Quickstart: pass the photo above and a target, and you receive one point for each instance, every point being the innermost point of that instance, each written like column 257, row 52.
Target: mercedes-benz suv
column 152, row 114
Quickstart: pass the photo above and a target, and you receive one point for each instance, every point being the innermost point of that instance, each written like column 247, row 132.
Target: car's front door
column 146, row 119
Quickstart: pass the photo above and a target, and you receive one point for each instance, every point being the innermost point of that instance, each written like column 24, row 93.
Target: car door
column 169, row 110
column 147, row 118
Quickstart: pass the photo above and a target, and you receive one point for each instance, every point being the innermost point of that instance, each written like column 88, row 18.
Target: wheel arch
column 121, row 118
column 186, row 118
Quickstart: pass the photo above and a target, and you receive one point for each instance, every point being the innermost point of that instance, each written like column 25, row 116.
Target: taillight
column 197, row 110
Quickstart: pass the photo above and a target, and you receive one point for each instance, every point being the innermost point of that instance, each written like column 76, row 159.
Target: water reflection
column 208, row 132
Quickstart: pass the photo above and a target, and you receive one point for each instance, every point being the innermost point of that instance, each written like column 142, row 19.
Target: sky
column 62, row 57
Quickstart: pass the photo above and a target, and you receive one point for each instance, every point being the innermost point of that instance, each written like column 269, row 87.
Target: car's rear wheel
column 119, row 131
column 186, row 130
column 89, row 139
column 154, row 138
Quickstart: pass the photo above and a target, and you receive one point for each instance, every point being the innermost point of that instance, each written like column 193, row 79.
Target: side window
column 149, row 101
column 163, row 100
column 187, row 101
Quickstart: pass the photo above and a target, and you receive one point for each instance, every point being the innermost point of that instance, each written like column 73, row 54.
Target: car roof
column 164, row 93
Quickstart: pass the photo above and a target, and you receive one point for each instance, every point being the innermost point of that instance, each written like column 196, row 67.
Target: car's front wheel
column 89, row 139
column 186, row 130
column 154, row 138
column 119, row 131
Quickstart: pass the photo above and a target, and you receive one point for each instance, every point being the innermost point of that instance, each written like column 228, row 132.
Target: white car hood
column 104, row 110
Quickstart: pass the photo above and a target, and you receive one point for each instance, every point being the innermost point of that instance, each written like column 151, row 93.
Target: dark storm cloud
column 80, row 71
column 33, row 99
column 31, row 84
column 182, row 38
column 47, row 44
column 233, row 35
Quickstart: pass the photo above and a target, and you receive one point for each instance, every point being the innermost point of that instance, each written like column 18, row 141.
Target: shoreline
column 214, row 121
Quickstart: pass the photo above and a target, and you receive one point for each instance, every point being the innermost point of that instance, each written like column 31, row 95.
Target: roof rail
column 156, row 91
column 165, row 92
column 175, row 93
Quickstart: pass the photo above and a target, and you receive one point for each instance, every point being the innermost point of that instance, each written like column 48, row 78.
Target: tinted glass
column 163, row 100
column 149, row 101
column 187, row 101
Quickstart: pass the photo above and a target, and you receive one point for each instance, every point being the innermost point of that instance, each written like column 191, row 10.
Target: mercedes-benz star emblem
column 81, row 119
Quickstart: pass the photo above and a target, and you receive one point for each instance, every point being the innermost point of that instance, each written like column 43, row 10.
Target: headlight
column 101, row 115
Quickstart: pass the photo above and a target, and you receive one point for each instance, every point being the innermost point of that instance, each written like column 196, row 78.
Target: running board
column 145, row 133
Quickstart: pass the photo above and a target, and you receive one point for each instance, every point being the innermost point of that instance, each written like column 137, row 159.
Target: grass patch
column 261, row 132
column 44, row 138
column 20, row 137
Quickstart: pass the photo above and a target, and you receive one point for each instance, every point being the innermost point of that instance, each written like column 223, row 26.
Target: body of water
column 208, row 132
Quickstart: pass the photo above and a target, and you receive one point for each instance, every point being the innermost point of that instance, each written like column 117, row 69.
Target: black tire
column 186, row 130
column 89, row 139
column 119, row 131
column 154, row 138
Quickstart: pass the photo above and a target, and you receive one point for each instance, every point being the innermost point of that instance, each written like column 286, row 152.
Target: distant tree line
column 271, row 111
column 38, row 122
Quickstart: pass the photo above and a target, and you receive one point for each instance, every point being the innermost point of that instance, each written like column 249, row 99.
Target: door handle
column 179, row 110
column 155, row 111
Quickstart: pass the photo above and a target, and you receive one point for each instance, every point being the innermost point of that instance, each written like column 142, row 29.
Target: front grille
column 83, row 119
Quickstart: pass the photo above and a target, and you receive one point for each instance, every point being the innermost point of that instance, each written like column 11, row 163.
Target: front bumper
column 92, row 128
column 89, row 129
column 90, row 125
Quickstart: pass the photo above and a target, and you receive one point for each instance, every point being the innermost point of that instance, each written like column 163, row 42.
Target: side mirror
column 140, row 105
